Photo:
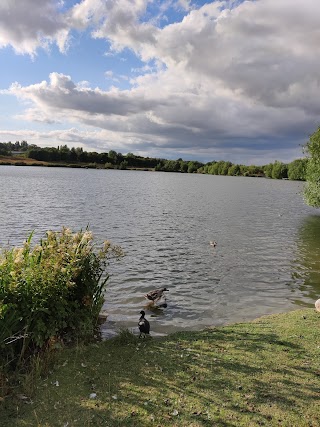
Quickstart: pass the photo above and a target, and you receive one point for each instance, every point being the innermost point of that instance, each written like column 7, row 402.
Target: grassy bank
column 262, row 373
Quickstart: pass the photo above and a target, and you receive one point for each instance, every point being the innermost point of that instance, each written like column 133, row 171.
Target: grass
column 263, row 373
column 21, row 160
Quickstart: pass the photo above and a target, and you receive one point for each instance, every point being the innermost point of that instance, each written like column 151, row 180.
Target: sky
column 223, row 80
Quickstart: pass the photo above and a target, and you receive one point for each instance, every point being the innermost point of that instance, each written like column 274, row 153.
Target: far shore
column 24, row 161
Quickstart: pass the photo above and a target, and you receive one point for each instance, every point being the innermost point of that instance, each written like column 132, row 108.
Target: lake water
column 267, row 258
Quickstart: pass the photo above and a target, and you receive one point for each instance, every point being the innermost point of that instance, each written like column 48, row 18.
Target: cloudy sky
column 233, row 80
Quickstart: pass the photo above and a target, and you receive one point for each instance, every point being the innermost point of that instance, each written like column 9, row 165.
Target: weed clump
column 51, row 291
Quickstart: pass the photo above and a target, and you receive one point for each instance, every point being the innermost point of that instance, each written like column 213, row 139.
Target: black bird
column 144, row 325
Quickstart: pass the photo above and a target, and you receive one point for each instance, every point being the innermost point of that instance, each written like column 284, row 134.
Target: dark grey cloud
column 235, row 83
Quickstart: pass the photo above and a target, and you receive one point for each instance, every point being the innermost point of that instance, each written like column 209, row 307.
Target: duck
column 317, row 304
column 144, row 325
column 213, row 243
column 157, row 297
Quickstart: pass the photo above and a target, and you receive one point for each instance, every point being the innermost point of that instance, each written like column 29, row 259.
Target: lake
column 267, row 258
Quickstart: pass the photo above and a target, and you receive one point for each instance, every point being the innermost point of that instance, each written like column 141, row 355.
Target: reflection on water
column 307, row 275
column 265, row 261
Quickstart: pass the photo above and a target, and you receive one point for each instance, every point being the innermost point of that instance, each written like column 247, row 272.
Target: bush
column 51, row 290
column 91, row 166
column 312, row 188
column 109, row 165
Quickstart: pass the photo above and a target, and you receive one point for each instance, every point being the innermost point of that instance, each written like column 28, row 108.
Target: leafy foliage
column 312, row 188
column 279, row 170
column 297, row 170
column 51, row 290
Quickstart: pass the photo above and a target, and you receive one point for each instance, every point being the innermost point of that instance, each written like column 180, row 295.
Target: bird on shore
column 317, row 304
column 157, row 297
column 144, row 325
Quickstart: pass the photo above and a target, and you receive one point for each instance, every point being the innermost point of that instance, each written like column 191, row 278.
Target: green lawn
column 265, row 372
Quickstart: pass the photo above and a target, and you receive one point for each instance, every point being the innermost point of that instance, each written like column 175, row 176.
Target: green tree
column 297, row 170
column 224, row 167
column 24, row 146
column 279, row 170
column 214, row 168
column 268, row 170
column 123, row 165
column 171, row 166
column 183, row 166
column 234, row 170
column 113, row 156
column 192, row 167
column 312, row 188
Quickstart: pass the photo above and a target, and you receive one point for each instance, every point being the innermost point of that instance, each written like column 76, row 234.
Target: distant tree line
column 178, row 166
column 6, row 148
column 111, row 159
column 295, row 170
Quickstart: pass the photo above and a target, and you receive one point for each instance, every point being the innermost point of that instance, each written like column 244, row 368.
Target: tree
column 73, row 155
column 234, row 170
column 123, row 165
column 268, row 170
column 297, row 170
column 223, row 170
column 113, row 156
column 312, row 188
column 192, row 167
column 24, row 146
column 183, row 166
column 279, row 170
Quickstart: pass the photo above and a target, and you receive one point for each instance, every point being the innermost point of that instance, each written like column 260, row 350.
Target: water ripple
column 266, row 260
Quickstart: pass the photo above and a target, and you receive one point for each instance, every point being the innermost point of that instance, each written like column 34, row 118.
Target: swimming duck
column 213, row 243
column 157, row 297
column 144, row 325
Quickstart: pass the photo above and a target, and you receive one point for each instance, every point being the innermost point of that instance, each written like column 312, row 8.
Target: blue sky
column 227, row 80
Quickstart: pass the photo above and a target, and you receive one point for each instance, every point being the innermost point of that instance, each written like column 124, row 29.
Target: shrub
column 91, row 166
column 109, row 165
column 51, row 290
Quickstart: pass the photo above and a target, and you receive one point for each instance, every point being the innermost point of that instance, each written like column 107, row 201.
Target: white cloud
column 29, row 24
column 231, row 77
column 160, row 114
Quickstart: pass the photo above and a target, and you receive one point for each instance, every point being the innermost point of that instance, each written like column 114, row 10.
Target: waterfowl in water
column 157, row 297
column 144, row 325
column 213, row 243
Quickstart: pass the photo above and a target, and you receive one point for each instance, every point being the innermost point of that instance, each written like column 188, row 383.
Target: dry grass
column 18, row 159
